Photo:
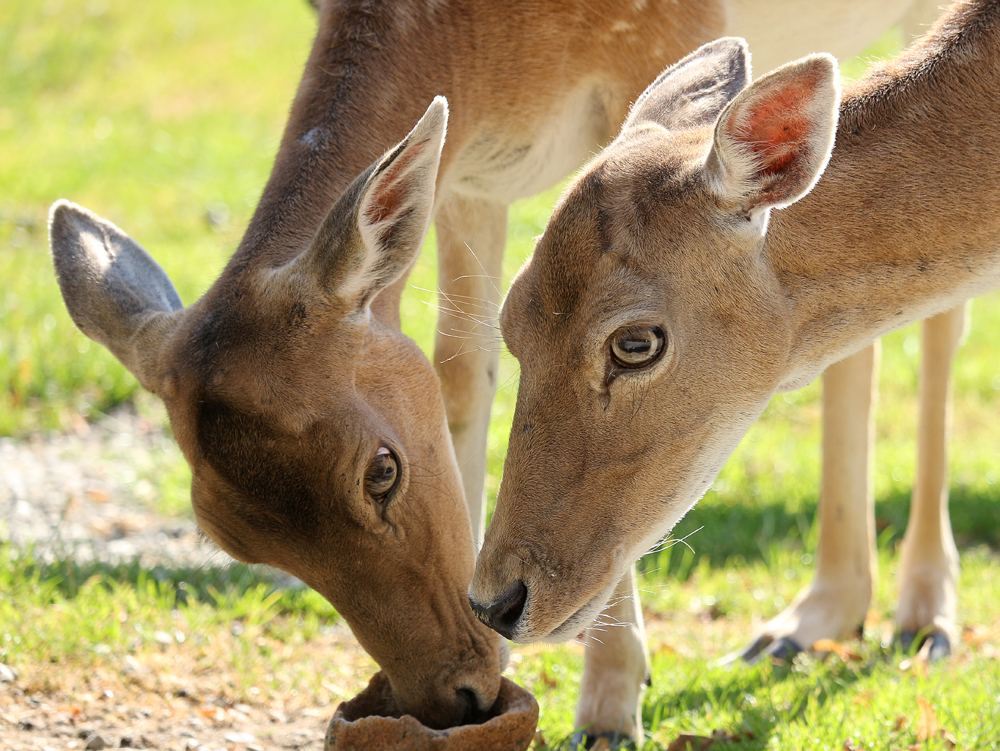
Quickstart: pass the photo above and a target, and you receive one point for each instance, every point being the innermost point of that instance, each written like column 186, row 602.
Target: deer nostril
column 502, row 616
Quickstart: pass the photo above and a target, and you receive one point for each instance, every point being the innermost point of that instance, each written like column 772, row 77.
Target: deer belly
column 526, row 154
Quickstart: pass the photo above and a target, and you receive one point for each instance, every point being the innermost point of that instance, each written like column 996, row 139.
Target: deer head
column 315, row 431
column 650, row 331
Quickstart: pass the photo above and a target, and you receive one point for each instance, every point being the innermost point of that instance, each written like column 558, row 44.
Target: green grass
column 147, row 114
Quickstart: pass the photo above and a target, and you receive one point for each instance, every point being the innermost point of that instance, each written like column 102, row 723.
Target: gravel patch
column 90, row 496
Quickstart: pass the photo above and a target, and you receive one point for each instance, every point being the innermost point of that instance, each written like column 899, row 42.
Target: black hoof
column 584, row 739
column 783, row 649
column 940, row 644
column 905, row 641
column 749, row 654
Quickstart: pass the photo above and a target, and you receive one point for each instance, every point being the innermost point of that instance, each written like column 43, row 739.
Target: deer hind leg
column 928, row 570
column 615, row 671
column 846, row 566
column 471, row 235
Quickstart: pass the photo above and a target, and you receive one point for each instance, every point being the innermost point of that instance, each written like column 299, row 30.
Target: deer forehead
column 634, row 231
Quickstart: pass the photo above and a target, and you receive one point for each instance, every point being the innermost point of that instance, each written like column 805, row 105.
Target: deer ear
column 114, row 290
column 695, row 90
column 373, row 233
column 773, row 141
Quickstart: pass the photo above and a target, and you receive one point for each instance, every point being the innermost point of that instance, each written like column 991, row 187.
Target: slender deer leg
column 846, row 566
column 928, row 570
column 471, row 235
column 615, row 669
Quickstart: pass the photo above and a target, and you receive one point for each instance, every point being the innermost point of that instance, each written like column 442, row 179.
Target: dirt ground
column 181, row 723
column 84, row 494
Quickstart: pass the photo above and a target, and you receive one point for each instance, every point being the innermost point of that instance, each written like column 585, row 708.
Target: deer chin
column 537, row 625
column 583, row 619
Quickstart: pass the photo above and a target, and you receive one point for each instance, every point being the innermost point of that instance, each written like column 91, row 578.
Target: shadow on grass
column 175, row 586
column 726, row 534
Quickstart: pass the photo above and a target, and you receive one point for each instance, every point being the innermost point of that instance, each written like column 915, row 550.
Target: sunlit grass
column 150, row 116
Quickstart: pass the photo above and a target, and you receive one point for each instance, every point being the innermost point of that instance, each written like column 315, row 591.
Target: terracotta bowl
column 371, row 721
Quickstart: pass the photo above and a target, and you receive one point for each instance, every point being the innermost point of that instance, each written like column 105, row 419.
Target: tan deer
column 696, row 267
column 315, row 431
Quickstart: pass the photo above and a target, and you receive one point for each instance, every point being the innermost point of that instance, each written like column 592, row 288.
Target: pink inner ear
column 777, row 127
column 393, row 187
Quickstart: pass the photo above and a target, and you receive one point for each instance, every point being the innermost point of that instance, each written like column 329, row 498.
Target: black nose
column 502, row 616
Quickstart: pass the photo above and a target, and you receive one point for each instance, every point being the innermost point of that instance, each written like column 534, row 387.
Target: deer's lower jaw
column 579, row 620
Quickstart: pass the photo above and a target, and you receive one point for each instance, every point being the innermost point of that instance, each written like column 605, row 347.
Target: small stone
column 163, row 637
column 6, row 674
column 240, row 738
column 95, row 743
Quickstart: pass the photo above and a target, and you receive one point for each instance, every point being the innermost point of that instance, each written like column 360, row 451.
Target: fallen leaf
column 538, row 742
column 864, row 698
column 212, row 713
column 97, row 495
column 846, row 654
column 975, row 636
column 548, row 680
column 950, row 742
column 688, row 742
column 927, row 723
column 852, row 745
column 900, row 723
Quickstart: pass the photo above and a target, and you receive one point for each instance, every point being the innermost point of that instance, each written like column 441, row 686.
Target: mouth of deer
column 579, row 621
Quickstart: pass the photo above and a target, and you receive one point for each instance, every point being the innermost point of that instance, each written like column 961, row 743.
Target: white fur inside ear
column 396, row 205
column 773, row 141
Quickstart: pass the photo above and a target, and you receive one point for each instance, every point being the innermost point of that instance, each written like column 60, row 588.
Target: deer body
column 676, row 245
column 294, row 358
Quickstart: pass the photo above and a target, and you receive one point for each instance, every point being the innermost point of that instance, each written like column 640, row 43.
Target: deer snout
column 503, row 614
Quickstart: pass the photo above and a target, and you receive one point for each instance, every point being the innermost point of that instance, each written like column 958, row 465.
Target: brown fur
column 279, row 392
column 904, row 224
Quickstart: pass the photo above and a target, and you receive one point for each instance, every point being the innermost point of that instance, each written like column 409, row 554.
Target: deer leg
column 615, row 671
column 471, row 235
column 837, row 600
column 928, row 569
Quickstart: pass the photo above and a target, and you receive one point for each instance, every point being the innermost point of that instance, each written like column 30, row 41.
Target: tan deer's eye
column 637, row 347
column 382, row 474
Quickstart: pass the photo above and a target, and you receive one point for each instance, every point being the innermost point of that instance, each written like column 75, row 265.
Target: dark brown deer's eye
column 382, row 474
column 636, row 347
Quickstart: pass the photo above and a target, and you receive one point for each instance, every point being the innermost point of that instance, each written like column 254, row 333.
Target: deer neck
column 360, row 93
column 905, row 222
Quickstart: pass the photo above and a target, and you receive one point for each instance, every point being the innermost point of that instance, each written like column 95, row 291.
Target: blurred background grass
column 165, row 118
